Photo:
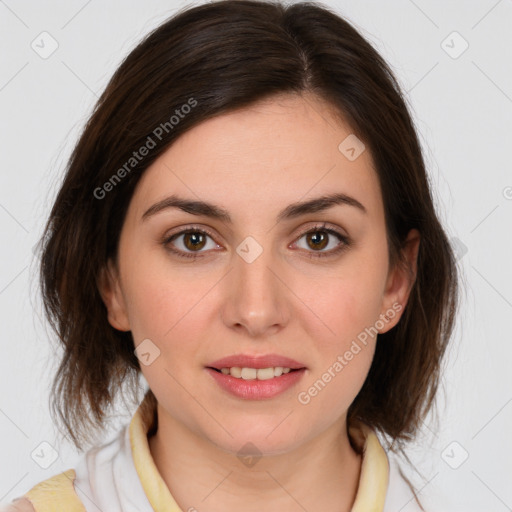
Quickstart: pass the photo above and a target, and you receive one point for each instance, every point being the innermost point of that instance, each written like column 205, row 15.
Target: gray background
column 462, row 106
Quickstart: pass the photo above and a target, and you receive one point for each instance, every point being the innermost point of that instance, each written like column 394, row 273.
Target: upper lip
column 255, row 361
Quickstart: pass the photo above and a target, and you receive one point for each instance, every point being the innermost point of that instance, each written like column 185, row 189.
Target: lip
column 256, row 389
column 255, row 361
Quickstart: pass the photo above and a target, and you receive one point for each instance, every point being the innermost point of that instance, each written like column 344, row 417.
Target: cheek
column 166, row 309
column 159, row 298
column 152, row 307
column 349, row 303
column 349, row 307
column 346, row 301
column 169, row 307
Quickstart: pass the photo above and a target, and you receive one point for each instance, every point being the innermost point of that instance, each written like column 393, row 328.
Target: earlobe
column 401, row 280
column 111, row 294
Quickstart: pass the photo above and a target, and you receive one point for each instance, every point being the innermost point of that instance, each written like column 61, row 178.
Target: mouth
column 248, row 373
column 256, row 383
column 250, row 362
column 256, row 376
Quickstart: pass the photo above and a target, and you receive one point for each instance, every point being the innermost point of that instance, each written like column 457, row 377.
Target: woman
column 247, row 222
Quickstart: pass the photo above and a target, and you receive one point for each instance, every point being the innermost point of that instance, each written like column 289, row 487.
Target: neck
column 321, row 473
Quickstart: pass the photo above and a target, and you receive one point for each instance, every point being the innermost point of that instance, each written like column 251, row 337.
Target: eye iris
column 322, row 239
column 195, row 239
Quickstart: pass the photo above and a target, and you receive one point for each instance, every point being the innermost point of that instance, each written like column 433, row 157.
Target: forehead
column 259, row 158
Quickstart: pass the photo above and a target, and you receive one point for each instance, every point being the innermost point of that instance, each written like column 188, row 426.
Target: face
column 266, row 277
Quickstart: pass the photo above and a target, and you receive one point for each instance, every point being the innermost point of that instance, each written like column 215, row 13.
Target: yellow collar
column 373, row 480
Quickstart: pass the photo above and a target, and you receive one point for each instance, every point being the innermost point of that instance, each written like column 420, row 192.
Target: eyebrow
column 202, row 208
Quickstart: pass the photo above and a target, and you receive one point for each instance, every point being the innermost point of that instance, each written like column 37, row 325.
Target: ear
column 111, row 293
column 400, row 281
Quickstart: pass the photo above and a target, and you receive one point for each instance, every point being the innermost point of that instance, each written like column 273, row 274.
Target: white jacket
column 121, row 476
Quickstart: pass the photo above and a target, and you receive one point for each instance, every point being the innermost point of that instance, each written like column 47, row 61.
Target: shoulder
column 69, row 490
column 56, row 491
column 19, row 505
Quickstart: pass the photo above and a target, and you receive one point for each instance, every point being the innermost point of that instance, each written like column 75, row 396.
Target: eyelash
column 345, row 241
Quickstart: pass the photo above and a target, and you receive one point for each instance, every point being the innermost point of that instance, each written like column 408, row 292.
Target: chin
column 262, row 438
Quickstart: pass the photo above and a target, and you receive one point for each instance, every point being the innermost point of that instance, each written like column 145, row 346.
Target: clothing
column 121, row 476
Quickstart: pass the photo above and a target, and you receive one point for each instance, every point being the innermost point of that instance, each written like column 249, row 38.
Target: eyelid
column 188, row 228
column 320, row 226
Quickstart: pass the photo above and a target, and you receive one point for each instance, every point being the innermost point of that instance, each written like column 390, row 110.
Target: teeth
column 254, row 373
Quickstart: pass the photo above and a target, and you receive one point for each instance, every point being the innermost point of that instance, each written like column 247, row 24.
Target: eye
column 189, row 243
column 320, row 241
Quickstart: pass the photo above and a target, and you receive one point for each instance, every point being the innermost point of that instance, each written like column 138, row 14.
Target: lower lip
column 257, row 389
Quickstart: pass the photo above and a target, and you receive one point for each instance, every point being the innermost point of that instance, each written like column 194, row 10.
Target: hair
column 216, row 58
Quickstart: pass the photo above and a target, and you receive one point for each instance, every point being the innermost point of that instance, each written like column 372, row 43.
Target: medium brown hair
column 223, row 56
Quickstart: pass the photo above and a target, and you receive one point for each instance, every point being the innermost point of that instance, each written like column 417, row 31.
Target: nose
column 255, row 298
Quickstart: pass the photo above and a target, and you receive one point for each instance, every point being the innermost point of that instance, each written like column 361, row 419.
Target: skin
column 253, row 163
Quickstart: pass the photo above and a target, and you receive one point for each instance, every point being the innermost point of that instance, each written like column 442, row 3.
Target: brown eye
column 193, row 241
column 317, row 239
column 190, row 243
column 320, row 238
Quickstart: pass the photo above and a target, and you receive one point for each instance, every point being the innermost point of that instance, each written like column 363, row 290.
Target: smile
column 250, row 384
